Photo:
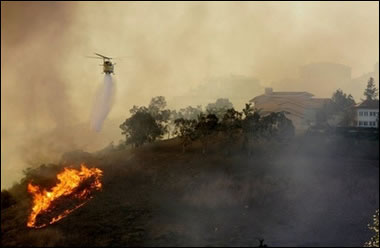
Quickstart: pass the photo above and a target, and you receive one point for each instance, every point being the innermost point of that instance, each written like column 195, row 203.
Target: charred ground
column 311, row 191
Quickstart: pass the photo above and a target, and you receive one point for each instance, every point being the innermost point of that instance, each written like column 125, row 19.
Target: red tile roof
column 284, row 94
column 369, row 104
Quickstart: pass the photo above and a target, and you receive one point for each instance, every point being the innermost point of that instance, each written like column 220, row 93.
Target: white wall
column 366, row 116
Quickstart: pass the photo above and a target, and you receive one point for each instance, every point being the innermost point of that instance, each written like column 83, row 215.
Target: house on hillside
column 300, row 107
column 367, row 114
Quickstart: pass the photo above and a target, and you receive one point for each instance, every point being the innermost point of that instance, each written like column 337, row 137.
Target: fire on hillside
column 74, row 189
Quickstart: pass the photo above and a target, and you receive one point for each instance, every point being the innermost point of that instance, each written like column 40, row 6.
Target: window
column 360, row 123
column 365, row 113
column 371, row 113
column 365, row 123
column 360, row 113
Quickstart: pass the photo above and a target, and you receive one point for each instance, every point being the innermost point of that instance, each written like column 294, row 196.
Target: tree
column 231, row 125
column 170, row 126
column 185, row 130
column 231, row 120
column 341, row 100
column 220, row 107
column 371, row 92
column 286, row 128
column 136, row 109
column 341, row 105
column 250, row 125
column 141, row 128
column 207, row 125
column 248, row 109
column 272, row 126
column 190, row 113
column 277, row 125
column 156, row 109
column 157, row 103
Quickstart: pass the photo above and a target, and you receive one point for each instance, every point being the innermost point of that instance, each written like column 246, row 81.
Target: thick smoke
column 47, row 85
column 103, row 103
column 44, row 94
column 34, row 88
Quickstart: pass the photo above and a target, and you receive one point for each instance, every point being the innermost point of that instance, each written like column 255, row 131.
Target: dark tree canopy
column 341, row 104
column 148, row 124
column 231, row 119
column 248, row 109
column 272, row 125
column 141, row 128
column 157, row 112
column 277, row 125
column 251, row 122
column 185, row 130
column 206, row 125
column 341, row 101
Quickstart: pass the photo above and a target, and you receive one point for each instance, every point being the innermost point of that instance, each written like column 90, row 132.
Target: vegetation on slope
column 156, row 195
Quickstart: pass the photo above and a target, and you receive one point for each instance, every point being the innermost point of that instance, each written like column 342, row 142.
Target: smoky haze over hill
column 48, row 85
column 312, row 191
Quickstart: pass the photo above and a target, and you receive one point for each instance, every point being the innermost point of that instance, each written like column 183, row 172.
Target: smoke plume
column 47, row 88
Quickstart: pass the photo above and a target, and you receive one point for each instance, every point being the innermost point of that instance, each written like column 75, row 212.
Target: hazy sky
column 47, row 83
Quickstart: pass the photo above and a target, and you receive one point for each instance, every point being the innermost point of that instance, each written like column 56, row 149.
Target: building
column 367, row 114
column 300, row 107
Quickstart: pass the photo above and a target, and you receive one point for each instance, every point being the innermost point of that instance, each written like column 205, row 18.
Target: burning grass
column 74, row 189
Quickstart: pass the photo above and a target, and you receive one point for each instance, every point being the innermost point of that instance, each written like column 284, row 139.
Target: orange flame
column 70, row 181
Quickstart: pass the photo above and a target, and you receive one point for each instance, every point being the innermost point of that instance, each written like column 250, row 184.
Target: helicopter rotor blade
column 122, row 57
column 93, row 57
column 104, row 57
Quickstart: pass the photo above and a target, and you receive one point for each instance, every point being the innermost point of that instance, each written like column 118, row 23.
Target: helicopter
column 108, row 66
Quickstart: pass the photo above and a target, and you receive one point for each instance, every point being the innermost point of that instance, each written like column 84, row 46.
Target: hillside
column 311, row 192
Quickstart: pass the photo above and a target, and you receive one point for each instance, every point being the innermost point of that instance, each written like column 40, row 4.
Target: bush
column 374, row 242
